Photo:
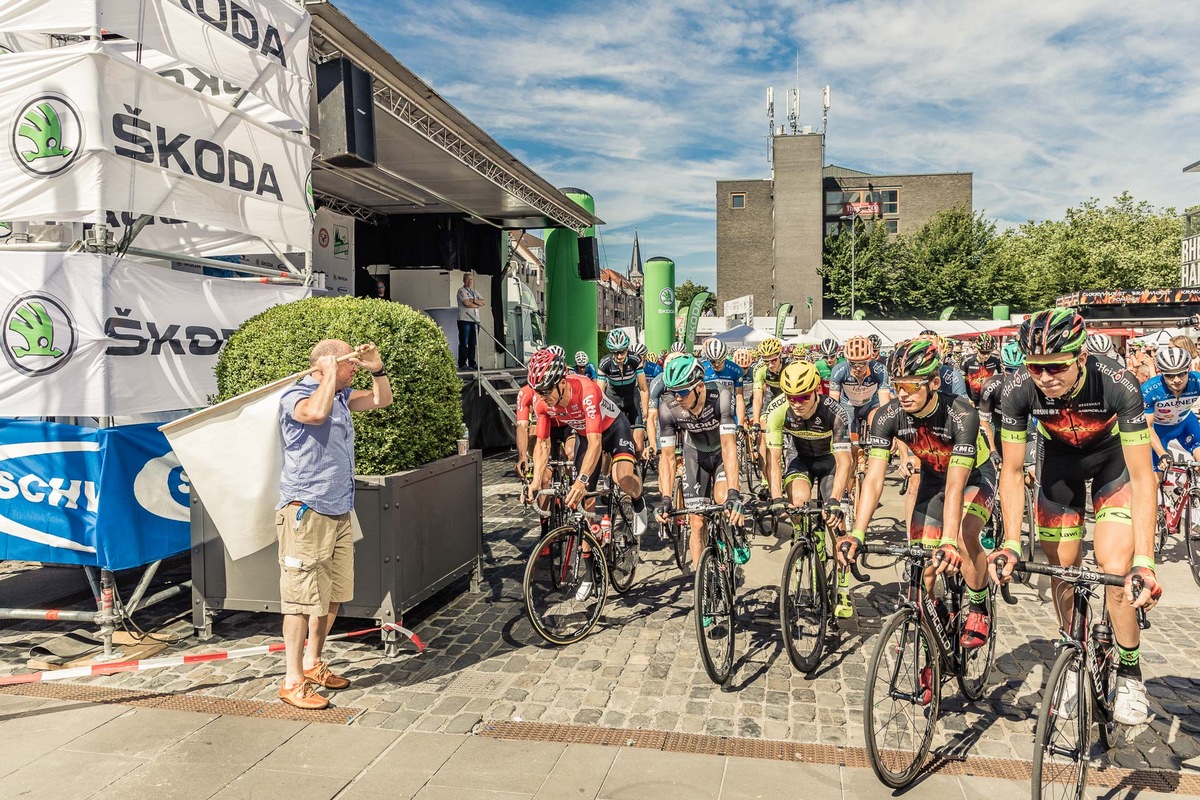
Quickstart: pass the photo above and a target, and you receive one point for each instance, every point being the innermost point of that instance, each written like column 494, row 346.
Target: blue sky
column 647, row 104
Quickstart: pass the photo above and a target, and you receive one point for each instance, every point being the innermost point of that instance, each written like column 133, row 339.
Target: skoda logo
column 47, row 135
column 39, row 334
column 667, row 297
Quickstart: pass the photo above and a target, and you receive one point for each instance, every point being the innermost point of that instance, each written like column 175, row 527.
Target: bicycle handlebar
column 1079, row 575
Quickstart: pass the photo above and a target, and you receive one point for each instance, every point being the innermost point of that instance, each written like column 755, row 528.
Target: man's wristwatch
column 583, row 478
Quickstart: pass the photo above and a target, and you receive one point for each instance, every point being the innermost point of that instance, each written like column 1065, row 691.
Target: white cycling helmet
column 1100, row 344
column 559, row 353
column 1172, row 360
column 715, row 350
column 581, row 359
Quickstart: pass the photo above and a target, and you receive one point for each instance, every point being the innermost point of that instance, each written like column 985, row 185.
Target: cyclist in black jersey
column 1092, row 421
column 958, row 481
column 705, row 412
column 765, row 389
column 621, row 375
column 981, row 367
column 1011, row 358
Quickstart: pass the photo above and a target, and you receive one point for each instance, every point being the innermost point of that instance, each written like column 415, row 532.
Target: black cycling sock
column 638, row 503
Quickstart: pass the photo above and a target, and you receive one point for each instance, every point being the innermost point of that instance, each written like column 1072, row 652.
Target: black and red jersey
column 977, row 371
column 948, row 435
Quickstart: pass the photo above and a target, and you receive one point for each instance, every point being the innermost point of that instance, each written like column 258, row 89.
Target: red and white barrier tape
column 175, row 661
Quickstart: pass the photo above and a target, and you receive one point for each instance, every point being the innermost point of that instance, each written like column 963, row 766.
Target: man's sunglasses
column 857, row 364
column 683, row 394
column 800, row 398
column 1049, row 369
column 1174, row 376
column 911, row 387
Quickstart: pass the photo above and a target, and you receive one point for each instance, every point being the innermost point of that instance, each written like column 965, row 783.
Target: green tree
column 876, row 264
column 951, row 260
column 686, row 291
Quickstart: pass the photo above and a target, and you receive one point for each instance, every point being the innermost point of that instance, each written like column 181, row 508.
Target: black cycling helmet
column 1056, row 330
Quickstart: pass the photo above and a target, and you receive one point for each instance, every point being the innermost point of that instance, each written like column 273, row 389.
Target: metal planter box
column 422, row 530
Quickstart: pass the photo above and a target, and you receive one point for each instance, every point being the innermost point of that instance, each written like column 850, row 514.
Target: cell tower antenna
column 825, row 110
column 770, row 120
column 794, row 110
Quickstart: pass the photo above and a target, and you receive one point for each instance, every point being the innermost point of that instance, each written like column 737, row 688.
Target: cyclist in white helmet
column 721, row 371
column 584, row 366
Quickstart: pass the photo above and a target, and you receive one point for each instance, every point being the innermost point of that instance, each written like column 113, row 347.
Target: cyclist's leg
column 797, row 481
column 697, row 488
column 978, row 501
column 633, row 411
column 618, row 443
column 1059, row 510
column 925, row 525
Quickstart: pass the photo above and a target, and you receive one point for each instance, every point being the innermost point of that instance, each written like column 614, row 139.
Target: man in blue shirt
column 720, row 371
column 1169, row 397
column 583, row 365
column 316, row 498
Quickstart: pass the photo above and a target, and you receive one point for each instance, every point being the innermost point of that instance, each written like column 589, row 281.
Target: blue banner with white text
column 112, row 497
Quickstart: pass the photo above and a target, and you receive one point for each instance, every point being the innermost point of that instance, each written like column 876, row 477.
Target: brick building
column 620, row 301
column 771, row 232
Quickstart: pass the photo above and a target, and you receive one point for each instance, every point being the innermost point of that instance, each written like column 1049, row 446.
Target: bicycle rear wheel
column 714, row 606
column 621, row 552
column 1191, row 535
column 560, row 607
column 897, row 716
column 803, row 607
column 977, row 662
column 1061, row 739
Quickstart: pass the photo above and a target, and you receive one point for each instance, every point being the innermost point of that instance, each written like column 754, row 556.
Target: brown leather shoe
column 303, row 695
column 321, row 676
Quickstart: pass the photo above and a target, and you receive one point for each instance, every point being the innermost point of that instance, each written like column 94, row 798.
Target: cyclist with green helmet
column 1092, row 422
column 988, row 401
column 958, row 481
column 622, row 377
column 705, row 413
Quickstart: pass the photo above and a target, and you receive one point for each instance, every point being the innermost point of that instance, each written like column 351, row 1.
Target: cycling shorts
column 631, row 405
column 1061, row 490
column 559, row 434
column 928, row 516
column 858, row 414
column 1186, row 432
column 817, row 472
column 702, row 470
column 617, row 441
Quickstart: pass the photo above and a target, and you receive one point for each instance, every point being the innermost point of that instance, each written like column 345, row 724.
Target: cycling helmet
column 678, row 347
column 1011, row 356
column 545, row 371
column 800, row 378
column 859, row 349
column 582, row 359
column 771, row 347
column 915, row 358
column 1172, row 360
column 715, row 350
column 671, row 356
column 788, row 349
column 559, row 353
column 1056, row 330
column 682, row 372
column 986, row 343
column 876, row 341
column 616, row 341
column 743, row 357
column 829, row 347
column 1101, row 344
column 928, row 332
column 638, row 350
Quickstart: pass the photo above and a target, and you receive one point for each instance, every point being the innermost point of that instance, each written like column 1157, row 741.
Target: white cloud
column 647, row 104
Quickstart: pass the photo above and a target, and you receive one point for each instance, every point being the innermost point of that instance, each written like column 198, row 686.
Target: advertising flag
column 693, row 319
column 781, row 319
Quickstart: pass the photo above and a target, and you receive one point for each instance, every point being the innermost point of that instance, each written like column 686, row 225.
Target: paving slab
column 331, row 750
column 861, row 784
column 459, row 793
column 760, row 779
column 141, row 733
column 162, row 779
column 258, row 783
column 65, row 775
column 42, row 730
column 638, row 774
column 579, row 773
column 232, row 740
column 498, row 765
column 404, row 767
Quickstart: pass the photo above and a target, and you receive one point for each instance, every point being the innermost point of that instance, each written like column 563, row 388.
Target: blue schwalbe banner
column 113, row 497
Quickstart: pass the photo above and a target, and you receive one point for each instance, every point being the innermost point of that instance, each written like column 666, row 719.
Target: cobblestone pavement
column 640, row 667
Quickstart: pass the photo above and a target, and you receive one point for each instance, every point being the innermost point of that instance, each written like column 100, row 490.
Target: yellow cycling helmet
column 800, row 378
column 769, row 348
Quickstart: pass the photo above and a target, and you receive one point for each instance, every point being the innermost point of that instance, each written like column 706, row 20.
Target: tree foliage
column 959, row 258
column 686, row 291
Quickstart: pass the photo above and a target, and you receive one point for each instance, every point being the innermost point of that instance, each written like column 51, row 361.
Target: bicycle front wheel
column 565, row 583
column 1062, row 737
column 903, row 693
column 621, row 553
column 803, row 607
column 714, row 616
column 1191, row 535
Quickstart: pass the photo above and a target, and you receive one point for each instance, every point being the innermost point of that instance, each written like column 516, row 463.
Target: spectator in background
column 1187, row 344
column 469, row 303
column 316, row 498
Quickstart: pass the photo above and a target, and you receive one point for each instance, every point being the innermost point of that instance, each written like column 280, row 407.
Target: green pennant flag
column 781, row 319
column 693, row 320
column 947, row 313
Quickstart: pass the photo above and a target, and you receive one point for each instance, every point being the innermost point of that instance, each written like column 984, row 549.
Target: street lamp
column 853, row 238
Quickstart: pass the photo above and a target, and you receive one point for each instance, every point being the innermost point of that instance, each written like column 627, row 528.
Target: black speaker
column 345, row 114
column 589, row 259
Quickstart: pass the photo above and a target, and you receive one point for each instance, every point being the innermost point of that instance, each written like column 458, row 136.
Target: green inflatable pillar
column 658, row 303
column 571, row 308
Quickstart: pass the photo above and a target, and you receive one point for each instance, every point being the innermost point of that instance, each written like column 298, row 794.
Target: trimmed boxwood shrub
column 425, row 419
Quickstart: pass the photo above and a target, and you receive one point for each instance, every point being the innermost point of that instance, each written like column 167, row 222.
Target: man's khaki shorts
column 316, row 560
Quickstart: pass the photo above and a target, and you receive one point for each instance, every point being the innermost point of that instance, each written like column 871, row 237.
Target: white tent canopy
column 1158, row 338
column 892, row 331
column 741, row 335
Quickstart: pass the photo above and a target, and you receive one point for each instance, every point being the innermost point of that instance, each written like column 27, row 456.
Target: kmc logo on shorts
column 667, row 297
column 39, row 334
column 47, row 135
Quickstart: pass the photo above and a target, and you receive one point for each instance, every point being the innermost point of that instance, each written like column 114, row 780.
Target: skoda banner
column 261, row 45
column 693, row 320
column 87, row 128
column 781, row 315
column 96, row 336
column 113, row 498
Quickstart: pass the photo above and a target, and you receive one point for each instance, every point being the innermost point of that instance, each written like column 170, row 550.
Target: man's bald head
column 328, row 347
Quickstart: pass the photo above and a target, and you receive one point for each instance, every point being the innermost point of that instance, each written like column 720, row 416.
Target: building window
column 831, row 229
column 893, row 225
column 737, row 200
column 890, row 198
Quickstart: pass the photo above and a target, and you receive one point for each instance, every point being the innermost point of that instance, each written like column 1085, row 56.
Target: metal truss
column 346, row 207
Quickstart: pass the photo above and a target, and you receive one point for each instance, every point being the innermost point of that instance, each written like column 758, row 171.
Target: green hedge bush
column 425, row 419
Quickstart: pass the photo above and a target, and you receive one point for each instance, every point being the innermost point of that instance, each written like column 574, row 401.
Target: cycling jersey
column 858, row 390
column 977, row 370
column 525, row 400
column 588, row 372
column 826, row 431
column 952, row 380
column 621, row 379
column 989, row 404
column 652, row 370
column 590, row 410
column 765, row 379
column 704, row 429
column 1169, row 410
column 729, row 376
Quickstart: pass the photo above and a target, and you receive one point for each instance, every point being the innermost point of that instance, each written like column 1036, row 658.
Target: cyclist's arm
column 774, row 434
column 756, row 408
column 643, row 393
column 1014, row 435
column 522, row 442
column 1144, row 486
column 1155, row 443
column 541, row 457
column 956, row 484
column 667, row 441
column 729, row 458
column 883, row 432
column 843, row 461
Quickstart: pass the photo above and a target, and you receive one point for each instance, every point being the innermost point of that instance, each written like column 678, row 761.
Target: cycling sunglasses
column 1049, row 369
column 800, row 398
column 683, row 394
column 1174, row 376
column 857, row 364
column 910, row 387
